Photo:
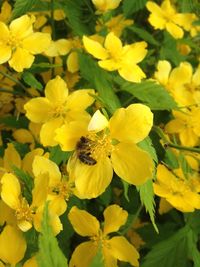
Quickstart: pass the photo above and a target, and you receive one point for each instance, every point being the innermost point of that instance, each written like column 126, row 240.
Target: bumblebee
column 83, row 149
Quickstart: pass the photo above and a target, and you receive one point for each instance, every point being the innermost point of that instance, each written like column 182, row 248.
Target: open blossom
column 57, row 107
column 101, row 146
column 166, row 17
column 105, row 5
column 113, row 248
column 19, row 44
column 114, row 56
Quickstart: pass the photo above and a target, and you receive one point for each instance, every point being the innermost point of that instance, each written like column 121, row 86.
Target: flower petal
column 109, row 64
column 37, row 42
column 114, row 217
column 114, row 45
column 163, row 71
column 4, row 32
column 135, row 52
column 21, row 59
column 174, row 30
column 131, row 73
column 132, row 123
column 5, row 53
column 128, row 162
column 47, row 133
column 92, row 180
column 11, row 190
column 83, row 254
column 12, row 252
column 38, row 109
column 69, row 134
column 98, row 122
column 94, row 48
column 56, row 90
column 89, row 225
column 80, row 99
column 72, row 62
column 11, row 158
column 122, row 250
column 22, row 26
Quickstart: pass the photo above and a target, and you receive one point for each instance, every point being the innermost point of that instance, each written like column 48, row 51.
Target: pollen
column 24, row 212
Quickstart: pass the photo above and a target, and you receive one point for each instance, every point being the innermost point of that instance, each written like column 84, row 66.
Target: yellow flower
column 59, row 47
column 113, row 249
column 176, row 190
column 103, row 145
column 166, row 17
column 19, row 44
column 182, row 83
column 57, row 107
column 186, row 125
column 59, row 187
column 117, row 57
column 12, row 245
column 105, row 5
column 6, row 10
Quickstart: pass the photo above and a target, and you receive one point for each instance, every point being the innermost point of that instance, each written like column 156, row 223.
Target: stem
column 13, row 79
column 170, row 144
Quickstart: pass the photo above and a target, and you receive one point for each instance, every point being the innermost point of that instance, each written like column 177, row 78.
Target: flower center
column 64, row 189
column 24, row 212
column 93, row 147
column 13, row 41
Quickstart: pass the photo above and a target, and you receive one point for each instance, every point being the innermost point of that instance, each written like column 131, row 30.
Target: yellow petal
column 32, row 262
column 164, row 206
column 37, row 42
column 122, row 250
column 114, row 218
column 21, row 59
column 42, row 165
column 135, row 52
column 11, row 158
column 38, row 109
column 72, row 62
column 174, row 30
column 98, row 122
column 22, row 26
column 7, row 214
column 24, row 225
column 175, row 126
column 131, row 73
column 163, row 71
column 56, row 90
column 12, row 245
column 47, row 133
column 89, row 225
column 92, row 180
column 40, row 190
column 11, row 190
column 132, row 123
column 4, row 32
column 109, row 64
column 28, row 159
column 181, row 75
column 80, row 99
column 83, row 254
column 69, row 134
column 94, row 48
column 60, row 47
column 5, row 53
column 114, row 45
column 128, row 162
column 23, row 136
column 188, row 137
column 157, row 18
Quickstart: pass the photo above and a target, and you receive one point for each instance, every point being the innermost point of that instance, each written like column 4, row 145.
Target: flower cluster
column 99, row 125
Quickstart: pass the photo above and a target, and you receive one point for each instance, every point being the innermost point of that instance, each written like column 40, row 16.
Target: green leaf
column 74, row 11
column 171, row 159
column 150, row 93
column 21, row 7
column 30, row 80
column 147, row 198
column 27, row 182
column 98, row 261
column 49, row 251
column 15, row 122
column 132, row 6
column 192, row 248
column 58, row 156
column 126, row 187
column 144, row 35
column 147, row 145
column 100, row 80
column 171, row 252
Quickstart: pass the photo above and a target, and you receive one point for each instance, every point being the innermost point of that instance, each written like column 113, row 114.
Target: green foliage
column 144, row 35
column 130, row 7
column 150, row 93
column 30, row 80
column 49, row 251
column 15, row 122
column 99, row 80
column 21, row 7
column 147, row 198
column 174, row 251
column 58, row 156
column 74, row 12
column 147, row 145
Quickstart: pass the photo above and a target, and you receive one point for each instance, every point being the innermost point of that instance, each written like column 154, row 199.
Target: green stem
column 170, row 144
column 13, row 79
